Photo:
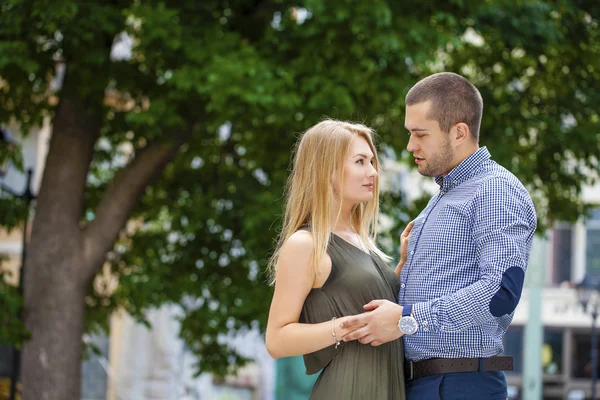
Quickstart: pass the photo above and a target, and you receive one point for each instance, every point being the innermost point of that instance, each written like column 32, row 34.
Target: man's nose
column 411, row 146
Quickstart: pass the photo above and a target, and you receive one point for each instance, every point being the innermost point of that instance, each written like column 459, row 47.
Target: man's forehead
column 422, row 105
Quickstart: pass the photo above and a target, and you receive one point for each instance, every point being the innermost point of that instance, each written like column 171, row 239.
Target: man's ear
column 461, row 132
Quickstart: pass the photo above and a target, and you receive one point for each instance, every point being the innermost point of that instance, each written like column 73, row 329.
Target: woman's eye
column 360, row 161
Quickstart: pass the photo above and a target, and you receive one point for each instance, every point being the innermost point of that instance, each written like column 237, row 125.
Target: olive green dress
column 354, row 371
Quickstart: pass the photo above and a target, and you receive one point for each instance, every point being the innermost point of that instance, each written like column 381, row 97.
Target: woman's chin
column 358, row 200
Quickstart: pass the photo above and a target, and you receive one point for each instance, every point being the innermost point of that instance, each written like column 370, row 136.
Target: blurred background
column 144, row 149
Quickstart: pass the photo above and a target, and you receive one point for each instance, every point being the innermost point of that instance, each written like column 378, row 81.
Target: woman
column 327, row 266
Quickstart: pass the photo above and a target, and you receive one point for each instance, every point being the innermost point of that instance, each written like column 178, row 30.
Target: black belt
column 419, row 369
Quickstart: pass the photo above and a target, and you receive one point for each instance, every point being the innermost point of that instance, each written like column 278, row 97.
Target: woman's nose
column 373, row 171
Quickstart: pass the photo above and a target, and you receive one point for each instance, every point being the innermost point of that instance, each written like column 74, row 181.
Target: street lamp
column 588, row 292
column 7, row 140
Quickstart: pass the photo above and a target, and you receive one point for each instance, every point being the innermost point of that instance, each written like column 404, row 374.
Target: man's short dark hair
column 453, row 99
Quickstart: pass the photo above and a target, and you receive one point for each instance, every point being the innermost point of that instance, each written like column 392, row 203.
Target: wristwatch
column 408, row 325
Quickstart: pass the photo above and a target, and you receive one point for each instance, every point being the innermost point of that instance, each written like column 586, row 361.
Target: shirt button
column 425, row 328
column 402, row 285
column 425, row 322
column 412, row 252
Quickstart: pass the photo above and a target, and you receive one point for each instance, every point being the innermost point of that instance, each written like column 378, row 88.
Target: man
column 467, row 255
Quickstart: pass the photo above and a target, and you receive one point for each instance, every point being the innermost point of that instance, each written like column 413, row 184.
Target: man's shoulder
column 497, row 187
column 498, row 193
column 496, row 179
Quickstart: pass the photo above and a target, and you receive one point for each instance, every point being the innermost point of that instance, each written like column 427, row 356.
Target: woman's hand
column 404, row 246
column 341, row 332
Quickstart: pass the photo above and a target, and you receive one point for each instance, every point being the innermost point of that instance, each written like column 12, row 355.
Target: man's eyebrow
column 416, row 129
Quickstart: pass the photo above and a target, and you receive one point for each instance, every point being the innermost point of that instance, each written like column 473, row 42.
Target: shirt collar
column 464, row 170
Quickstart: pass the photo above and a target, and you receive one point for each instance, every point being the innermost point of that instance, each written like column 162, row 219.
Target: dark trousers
column 459, row 386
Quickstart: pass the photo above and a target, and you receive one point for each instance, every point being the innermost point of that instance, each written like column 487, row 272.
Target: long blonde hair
column 310, row 194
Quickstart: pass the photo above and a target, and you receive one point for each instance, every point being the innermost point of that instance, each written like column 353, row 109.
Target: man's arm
column 504, row 222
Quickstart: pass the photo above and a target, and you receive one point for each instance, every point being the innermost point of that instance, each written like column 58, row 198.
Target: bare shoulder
column 294, row 264
column 299, row 244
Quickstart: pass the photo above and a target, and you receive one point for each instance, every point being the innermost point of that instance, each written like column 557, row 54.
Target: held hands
column 341, row 330
column 376, row 327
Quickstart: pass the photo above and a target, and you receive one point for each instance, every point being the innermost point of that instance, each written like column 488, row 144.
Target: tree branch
column 119, row 200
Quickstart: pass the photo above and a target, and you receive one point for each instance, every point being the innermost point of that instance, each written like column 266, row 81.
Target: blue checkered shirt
column 476, row 228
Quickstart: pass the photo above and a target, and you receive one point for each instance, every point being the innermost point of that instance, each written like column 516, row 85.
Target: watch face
column 408, row 325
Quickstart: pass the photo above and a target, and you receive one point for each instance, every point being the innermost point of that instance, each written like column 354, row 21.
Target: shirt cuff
column 424, row 315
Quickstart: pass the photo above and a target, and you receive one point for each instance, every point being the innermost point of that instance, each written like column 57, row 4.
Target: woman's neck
column 344, row 222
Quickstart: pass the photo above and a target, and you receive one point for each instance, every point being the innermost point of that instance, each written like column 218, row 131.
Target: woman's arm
column 404, row 247
column 295, row 278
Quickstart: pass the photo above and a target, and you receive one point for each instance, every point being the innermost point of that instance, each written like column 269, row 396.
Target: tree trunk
column 52, row 358
column 63, row 258
column 54, row 284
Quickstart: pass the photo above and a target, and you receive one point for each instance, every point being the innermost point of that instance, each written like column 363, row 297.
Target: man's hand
column 379, row 326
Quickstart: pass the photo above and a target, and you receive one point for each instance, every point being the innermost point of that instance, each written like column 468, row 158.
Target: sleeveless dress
column 354, row 371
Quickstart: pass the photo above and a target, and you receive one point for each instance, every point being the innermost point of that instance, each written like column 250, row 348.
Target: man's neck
column 462, row 156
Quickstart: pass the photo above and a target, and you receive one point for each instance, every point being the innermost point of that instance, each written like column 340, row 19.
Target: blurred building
column 572, row 250
column 155, row 364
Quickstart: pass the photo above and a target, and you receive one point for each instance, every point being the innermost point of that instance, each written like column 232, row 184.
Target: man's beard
column 438, row 163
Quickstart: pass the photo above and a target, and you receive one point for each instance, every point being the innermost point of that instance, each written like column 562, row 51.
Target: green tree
column 167, row 165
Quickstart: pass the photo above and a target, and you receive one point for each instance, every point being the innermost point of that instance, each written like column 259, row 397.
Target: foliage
column 12, row 329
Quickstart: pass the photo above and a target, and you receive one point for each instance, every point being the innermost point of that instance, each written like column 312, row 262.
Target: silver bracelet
column 337, row 342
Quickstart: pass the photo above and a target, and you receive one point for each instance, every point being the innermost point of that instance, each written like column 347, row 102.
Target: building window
column 592, row 251
column 552, row 350
column 513, row 346
column 581, row 356
column 562, row 253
